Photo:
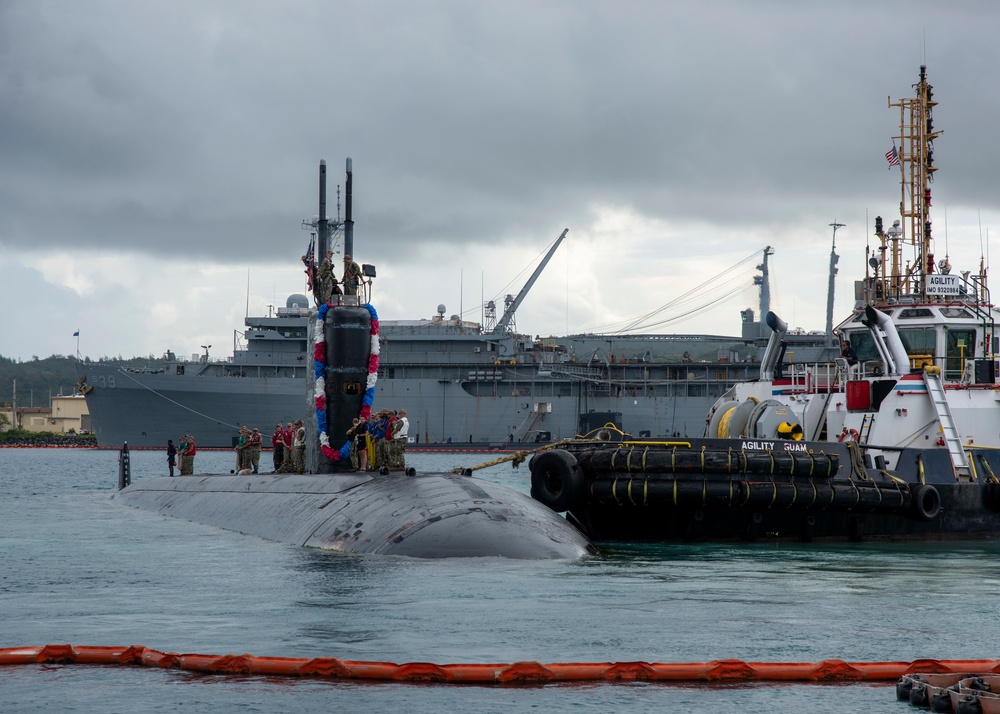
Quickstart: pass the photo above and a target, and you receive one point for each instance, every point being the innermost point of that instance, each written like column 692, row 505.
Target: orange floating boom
column 728, row 670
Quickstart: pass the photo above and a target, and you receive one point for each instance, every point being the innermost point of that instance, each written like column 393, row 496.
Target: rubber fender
column 903, row 687
column 918, row 695
column 556, row 480
column 991, row 495
column 941, row 701
column 969, row 704
column 979, row 684
column 926, row 502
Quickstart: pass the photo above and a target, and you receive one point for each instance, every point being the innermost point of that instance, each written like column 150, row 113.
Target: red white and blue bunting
column 319, row 368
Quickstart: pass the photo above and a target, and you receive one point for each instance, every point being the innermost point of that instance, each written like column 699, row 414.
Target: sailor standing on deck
column 352, row 440
column 287, row 440
column 352, row 276
column 171, row 455
column 187, row 451
column 299, row 447
column 254, row 450
column 325, row 278
column 361, row 443
column 241, row 449
column 402, row 435
column 278, row 444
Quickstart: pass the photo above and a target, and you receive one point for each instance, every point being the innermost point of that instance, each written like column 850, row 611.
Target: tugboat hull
column 718, row 490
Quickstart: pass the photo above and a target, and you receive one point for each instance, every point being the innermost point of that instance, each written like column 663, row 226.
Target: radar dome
column 441, row 309
column 297, row 300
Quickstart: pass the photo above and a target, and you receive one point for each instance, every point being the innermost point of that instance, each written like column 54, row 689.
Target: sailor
column 187, row 451
column 287, row 441
column 325, row 278
column 352, row 276
column 848, row 352
column 402, row 433
column 278, row 444
column 390, row 439
column 361, row 443
column 253, row 449
column 379, row 433
column 352, row 440
column 171, row 455
column 299, row 447
column 241, row 449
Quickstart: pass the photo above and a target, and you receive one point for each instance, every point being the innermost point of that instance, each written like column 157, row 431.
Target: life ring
column 848, row 435
column 556, row 480
column 926, row 502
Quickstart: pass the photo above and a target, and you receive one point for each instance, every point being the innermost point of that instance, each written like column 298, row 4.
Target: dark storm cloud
column 199, row 125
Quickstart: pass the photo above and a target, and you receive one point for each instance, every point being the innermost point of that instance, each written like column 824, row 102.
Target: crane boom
column 508, row 315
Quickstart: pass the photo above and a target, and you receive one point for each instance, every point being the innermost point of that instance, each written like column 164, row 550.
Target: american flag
column 309, row 260
column 892, row 156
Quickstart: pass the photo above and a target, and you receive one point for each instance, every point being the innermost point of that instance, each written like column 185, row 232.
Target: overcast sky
column 158, row 158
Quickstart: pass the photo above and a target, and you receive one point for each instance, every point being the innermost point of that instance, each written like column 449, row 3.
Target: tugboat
column 895, row 439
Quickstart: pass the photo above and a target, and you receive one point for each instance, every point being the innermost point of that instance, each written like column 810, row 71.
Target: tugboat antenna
column 834, row 259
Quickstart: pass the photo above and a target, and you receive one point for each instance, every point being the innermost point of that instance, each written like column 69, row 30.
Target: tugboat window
column 920, row 342
column 959, row 349
column 956, row 312
column 914, row 312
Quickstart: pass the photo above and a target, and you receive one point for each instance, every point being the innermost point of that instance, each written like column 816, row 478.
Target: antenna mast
column 916, row 164
column 834, row 259
column 764, row 282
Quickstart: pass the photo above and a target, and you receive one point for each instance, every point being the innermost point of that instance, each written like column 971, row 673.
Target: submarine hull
column 424, row 516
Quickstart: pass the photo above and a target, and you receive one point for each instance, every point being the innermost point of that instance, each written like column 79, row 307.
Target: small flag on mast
column 892, row 156
column 309, row 260
column 76, row 334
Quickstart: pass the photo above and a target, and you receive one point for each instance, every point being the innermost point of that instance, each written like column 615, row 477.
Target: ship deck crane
column 511, row 306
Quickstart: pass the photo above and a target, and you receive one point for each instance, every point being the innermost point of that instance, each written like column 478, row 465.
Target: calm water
column 77, row 568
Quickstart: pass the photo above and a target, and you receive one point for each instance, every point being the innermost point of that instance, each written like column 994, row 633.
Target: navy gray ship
column 460, row 382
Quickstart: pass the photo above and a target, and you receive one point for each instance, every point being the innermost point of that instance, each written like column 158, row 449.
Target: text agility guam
column 769, row 446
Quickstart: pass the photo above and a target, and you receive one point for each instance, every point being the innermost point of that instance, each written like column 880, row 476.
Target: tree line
column 38, row 379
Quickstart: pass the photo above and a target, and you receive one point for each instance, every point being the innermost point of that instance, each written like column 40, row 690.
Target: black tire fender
column 556, row 480
column 926, row 502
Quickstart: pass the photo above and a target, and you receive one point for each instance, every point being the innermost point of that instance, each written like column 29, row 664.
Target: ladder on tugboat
column 935, row 390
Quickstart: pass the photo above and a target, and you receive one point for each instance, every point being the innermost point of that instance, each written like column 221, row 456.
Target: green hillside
column 38, row 379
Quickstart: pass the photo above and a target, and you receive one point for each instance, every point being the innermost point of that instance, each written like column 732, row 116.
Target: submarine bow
column 426, row 516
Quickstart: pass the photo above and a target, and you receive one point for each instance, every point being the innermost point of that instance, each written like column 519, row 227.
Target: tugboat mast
column 834, row 259
column 915, row 158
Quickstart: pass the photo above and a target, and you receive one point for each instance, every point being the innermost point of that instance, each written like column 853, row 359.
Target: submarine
column 331, row 507
column 431, row 515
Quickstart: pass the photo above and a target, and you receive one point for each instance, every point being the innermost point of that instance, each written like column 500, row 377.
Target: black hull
column 715, row 490
column 423, row 516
